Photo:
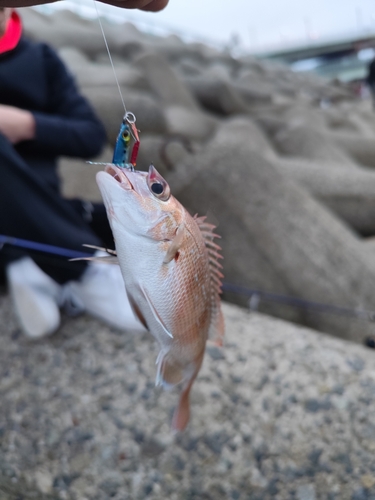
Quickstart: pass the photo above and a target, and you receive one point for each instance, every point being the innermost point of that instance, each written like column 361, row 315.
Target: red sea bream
column 170, row 266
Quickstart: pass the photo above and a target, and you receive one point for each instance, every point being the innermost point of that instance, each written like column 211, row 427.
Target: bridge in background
column 346, row 58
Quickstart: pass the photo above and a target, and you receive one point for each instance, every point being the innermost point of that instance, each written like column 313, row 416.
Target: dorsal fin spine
column 213, row 252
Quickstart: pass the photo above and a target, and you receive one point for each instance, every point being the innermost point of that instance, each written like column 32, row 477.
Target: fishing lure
column 127, row 144
column 127, row 135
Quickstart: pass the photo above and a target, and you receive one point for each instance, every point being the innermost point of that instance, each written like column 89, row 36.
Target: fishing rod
column 254, row 295
column 41, row 247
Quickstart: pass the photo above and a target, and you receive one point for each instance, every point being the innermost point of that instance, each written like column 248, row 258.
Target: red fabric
column 12, row 35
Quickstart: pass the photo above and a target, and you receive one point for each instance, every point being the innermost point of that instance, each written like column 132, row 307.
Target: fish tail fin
column 170, row 373
column 181, row 414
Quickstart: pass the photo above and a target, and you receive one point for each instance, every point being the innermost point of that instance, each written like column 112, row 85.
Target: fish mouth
column 120, row 176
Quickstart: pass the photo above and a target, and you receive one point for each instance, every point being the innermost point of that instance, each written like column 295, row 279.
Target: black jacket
column 34, row 78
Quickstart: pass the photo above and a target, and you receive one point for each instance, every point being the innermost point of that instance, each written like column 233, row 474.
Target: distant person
column 151, row 5
column 370, row 80
column 43, row 116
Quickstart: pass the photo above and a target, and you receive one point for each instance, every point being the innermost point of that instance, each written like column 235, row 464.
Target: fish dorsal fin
column 216, row 331
column 214, row 252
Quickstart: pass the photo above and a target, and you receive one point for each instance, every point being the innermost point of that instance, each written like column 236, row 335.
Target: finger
column 150, row 5
column 23, row 3
column 156, row 5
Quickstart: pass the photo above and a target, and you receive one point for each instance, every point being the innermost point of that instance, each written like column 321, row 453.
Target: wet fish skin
column 171, row 270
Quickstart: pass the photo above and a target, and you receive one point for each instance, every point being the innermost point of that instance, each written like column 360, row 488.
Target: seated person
column 43, row 116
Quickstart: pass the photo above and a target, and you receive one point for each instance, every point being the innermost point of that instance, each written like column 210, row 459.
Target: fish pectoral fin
column 137, row 311
column 107, row 259
column 154, row 311
column 108, row 250
column 169, row 373
column 175, row 244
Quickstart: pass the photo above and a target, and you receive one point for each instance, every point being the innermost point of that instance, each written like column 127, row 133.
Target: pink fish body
column 172, row 276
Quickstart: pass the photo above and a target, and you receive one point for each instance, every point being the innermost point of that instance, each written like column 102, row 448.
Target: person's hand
column 16, row 124
column 152, row 5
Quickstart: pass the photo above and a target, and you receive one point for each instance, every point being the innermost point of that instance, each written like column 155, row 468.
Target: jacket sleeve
column 69, row 126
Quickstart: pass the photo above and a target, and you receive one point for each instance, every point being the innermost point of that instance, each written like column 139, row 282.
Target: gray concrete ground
column 281, row 412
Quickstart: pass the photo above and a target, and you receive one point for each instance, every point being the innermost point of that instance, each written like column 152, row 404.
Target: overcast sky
column 260, row 23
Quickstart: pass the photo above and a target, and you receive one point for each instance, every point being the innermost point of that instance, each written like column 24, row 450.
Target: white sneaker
column 35, row 298
column 101, row 293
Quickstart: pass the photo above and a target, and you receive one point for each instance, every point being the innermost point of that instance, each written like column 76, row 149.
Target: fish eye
column 157, row 185
column 157, row 188
column 125, row 135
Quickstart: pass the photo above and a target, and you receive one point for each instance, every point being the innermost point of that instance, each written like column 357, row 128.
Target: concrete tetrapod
column 276, row 236
column 349, row 193
column 300, row 139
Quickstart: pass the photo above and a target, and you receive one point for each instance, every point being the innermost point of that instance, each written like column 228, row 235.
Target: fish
column 172, row 273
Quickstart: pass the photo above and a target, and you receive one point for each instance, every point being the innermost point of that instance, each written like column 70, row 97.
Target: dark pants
column 32, row 210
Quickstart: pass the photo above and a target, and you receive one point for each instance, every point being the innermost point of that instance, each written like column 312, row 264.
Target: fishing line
column 110, row 57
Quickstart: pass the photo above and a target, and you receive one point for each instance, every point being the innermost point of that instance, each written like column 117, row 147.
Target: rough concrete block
column 360, row 148
column 276, row 236
column 349, row 193
column 164, row 82
column 300, row 139
column 216, row 95
column 191, row 123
